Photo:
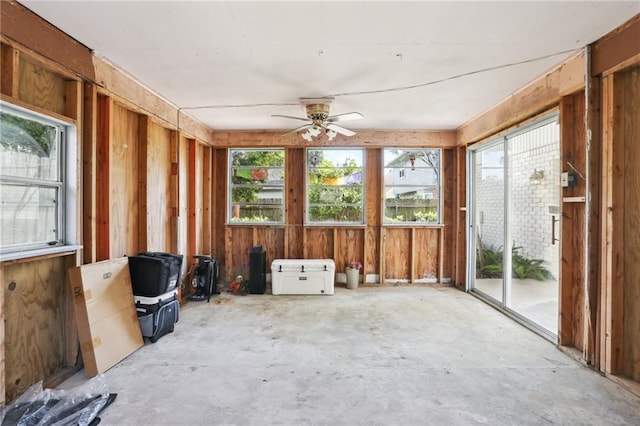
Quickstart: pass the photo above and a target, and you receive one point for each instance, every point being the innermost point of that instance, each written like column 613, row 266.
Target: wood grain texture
column 529, row 101
column 207, row 187
column 460, row 261
column 372, row 250
column 426, row 252
column 219, row 203
column 295, row 237
column 34, row 322
column 616, row 47
column 572, row 313
column 449, row 186
column 144, row 134
column 103, row 178
column 124, row 190
column 238, row 247
column 28, row 29
column 158, row 194
column 319, row 243
column 9, row 70
column 272, row 241
column 373, row 191
column 631, row 291
column 349, row 245
column 183, row 201
column 89, row 172
column 41, row 88
column 242, row 139
column 397, row 254
column 295, row 164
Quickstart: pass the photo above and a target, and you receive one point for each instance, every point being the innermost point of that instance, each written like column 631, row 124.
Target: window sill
column 27, row 254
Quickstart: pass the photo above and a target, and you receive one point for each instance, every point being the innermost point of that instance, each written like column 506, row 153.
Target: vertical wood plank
column 618, row 186
column 192, row 200
column 206, row 199
column 91, row 120
column 631, row 284
column 144, row 133
column 607, row 222
column 412, row 256
column 441, row 254
column 459, row 275
column 9, row 71
column 103, row 193
column 174, row 192
column 220, row 204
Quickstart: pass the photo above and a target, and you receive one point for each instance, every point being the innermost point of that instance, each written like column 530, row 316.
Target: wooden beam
column 144, row 133
column 617, row 47
column 536, row 97
column 22, row 25
column 103, row 187
column 431, row 139
column 9, row 70
column 137, row 97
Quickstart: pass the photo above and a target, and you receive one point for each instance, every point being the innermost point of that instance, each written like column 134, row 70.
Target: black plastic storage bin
column 154, row 273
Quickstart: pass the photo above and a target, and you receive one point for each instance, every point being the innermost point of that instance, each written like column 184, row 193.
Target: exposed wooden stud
column 174, row 192
column 207, row 189
column 89, row 172
column 9, row 70
column 144, row 133
column 412, row 255
column 103, row 193
column 192, row 214
column 228, row 253
column 220, row 203
column 441, row 253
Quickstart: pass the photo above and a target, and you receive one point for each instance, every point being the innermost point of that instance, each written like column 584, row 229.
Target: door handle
column 553, row 230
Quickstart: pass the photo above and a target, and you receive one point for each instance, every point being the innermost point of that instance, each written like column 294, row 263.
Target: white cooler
column 302, row 276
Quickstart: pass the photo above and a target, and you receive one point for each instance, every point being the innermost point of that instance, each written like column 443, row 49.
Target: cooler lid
column 302, row 265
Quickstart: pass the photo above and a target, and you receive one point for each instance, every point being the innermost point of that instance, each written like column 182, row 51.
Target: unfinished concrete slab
column 401, row 355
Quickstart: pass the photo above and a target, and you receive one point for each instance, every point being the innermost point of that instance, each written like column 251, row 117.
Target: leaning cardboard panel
column 108, row 325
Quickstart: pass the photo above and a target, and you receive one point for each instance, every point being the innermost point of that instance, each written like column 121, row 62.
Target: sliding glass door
column 514, row 192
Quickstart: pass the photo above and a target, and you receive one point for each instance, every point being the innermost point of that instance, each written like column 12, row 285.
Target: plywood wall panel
column 238, row 250
column 350, row 247
column 372, row 250
column 272, row 241
column 631, row 291
column 397, row 254
column 183, row 197
column 34, row 301
column 319, row 243
column 124, row 191
column 426, row 252
column 295, row 237
column 41, row 88
column 158, row 189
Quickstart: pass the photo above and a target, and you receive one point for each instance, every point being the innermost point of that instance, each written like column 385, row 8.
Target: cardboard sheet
column 108, row 325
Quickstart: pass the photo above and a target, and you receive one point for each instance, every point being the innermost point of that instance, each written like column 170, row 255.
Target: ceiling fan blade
column 344, row 117
column 297, row 129
column 339, row 129
column 290, row 116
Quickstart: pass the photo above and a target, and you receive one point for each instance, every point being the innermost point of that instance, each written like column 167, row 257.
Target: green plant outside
column 489, row 264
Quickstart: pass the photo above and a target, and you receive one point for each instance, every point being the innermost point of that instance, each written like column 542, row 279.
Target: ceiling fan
column 318, row 119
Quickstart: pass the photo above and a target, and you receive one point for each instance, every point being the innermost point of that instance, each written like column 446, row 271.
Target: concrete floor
column 402, row 355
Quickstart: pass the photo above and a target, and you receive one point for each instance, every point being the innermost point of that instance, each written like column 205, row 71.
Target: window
column 335, row 186
column 35, row 210
column 256, row 186
column 411, row 185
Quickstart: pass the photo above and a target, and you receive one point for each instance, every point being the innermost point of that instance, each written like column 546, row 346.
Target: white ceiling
column 212, row 53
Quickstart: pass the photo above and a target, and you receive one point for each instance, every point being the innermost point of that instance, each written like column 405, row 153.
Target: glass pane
column 254, row 175
column 488, row 223
column 248, row 157
column 534, row 178
column 257, row 204
column 28, row 214
column 335, row 191
column 28, row 148
column 336, row 214
column 412, row 187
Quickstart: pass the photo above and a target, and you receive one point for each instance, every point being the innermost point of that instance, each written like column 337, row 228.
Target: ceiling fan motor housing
column 317, row 112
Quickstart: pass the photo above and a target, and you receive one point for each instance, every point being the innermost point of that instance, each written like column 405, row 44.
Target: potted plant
column 353, row 274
